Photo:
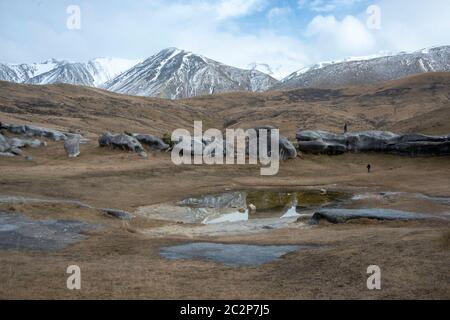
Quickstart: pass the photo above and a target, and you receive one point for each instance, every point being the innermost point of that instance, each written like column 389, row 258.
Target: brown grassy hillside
column 416, row 104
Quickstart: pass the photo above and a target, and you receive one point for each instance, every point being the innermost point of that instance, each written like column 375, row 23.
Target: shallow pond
column 247, row 205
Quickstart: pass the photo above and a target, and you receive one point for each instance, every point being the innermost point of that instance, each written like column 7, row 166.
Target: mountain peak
column 174, row 73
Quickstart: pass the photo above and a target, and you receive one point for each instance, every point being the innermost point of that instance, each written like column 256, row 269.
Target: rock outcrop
column 192, row 145
column 10, row 147
column 72, row 146
column 345, row 215
column 32, row 131
column 118, row 214
column 123, row 142
column 287, row 149
column 153, row 142
column 322, row 142
column 19, row 232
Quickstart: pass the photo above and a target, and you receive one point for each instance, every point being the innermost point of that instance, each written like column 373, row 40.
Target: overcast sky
column 286, row 34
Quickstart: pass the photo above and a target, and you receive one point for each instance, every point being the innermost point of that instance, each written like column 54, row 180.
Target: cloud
column 235, row 32
column 413, row 24
column 348, row 36
column 277, row 12
column 227, row 9
column 325, row 5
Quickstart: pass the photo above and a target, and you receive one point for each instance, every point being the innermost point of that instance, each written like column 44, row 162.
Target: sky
column 286, row 35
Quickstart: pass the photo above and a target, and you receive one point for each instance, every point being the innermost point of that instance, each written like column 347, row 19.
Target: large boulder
column 10, row 147
column 286, row 148
column 155, row 143
column 32, row 131
column 123, row 142
column 72, row 146
column 322, row 142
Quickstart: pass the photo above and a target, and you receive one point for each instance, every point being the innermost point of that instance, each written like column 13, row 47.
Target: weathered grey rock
column 16, row 151
column 20, row 232
column 23, row 143
column 121, row 141
column 344, row 215
column 7, row 154
column 119, row 214
column 192, row 145
column 105, row 140
column 155, row 143
column 287, row 149
column 372, row 141
column 10, row 147
column 33, row 131
column 4, row 145
column 72, row 146
column 224, row 200
column 236, row 255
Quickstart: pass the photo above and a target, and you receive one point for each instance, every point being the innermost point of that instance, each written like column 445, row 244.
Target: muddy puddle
column 243, row 206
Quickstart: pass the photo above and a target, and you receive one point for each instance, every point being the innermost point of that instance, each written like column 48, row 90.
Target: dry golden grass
column 415, row 104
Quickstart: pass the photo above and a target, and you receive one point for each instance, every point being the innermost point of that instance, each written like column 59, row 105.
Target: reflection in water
column 234, row 206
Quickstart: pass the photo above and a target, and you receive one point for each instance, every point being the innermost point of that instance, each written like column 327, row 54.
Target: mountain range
column 368, row 71
column 175, row 74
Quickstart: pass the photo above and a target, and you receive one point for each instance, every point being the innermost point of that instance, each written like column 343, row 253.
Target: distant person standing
column 345, row 127
column 369, row 167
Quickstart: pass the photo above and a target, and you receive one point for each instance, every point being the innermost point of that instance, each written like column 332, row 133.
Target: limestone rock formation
column 155, row 143
column 72, row 146
column 32, row 131
column 10, row 147
column 322, row 142
column 123, row 142
column 287, row 149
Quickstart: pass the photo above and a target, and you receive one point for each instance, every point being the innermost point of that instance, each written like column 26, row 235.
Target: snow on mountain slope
column 368, row 70
column 20, row 73
column 106, row 69
column 173, row 73
column 93, row 73
column 70, row 73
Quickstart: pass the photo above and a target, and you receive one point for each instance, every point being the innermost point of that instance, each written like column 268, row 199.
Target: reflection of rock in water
column 237, row 206
column 229, row 254
column 226, row 200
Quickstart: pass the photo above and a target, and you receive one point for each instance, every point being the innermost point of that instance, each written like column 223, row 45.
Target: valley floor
column 122, row 260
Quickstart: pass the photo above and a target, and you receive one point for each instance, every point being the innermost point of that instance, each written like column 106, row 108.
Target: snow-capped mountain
column 20, row 73
column 173, row 73
column 368, row 70
column 93, row 73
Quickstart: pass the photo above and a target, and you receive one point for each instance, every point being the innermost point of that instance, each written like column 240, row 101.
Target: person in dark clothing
column 369, row 167
column 345, row 128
